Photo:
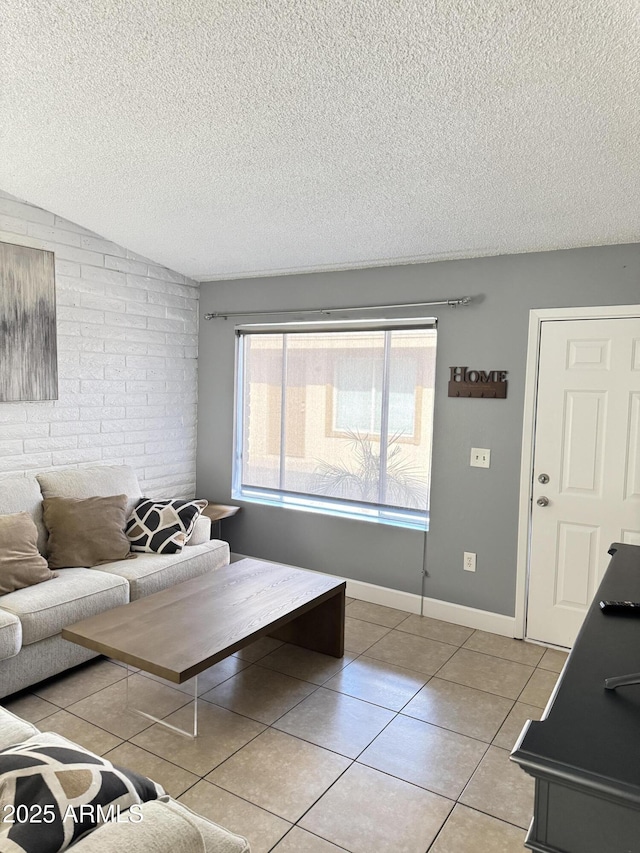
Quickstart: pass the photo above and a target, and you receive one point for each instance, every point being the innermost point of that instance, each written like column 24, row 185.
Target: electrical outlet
column 469, row 563
column 480, row 457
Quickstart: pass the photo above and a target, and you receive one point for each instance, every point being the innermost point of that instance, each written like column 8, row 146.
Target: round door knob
column 543, row 478
column 543, row 501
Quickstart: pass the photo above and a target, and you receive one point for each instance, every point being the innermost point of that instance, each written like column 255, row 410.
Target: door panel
column 587, row 440
column 582, row 442
column 585, row 355
column 632, row 479
column 577, row 561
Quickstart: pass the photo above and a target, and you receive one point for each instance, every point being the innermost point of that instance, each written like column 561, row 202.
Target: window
column 358, row 395
column 337, row 419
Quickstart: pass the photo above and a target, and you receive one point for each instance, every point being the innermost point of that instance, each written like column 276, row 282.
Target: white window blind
column 337, row 418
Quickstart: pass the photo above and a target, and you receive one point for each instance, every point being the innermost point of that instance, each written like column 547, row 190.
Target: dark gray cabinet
column 585, row 753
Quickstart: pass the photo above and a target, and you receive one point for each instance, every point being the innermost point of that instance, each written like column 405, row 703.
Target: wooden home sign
column 478, row 383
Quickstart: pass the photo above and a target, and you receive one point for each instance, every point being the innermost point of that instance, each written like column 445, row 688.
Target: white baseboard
column 446, row 611
column 470, row 617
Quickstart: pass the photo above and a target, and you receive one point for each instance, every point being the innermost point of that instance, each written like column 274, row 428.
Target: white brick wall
column 127, row 361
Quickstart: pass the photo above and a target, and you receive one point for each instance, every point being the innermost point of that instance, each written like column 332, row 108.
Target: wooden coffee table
column 183, row 630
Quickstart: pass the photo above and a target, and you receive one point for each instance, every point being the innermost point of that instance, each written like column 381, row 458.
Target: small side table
column 217, row 512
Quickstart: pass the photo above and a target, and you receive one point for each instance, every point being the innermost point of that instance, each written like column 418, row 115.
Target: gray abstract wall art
column 28, row 344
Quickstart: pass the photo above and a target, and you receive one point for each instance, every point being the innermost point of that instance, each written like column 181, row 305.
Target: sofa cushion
column 94, row 480
column 14, row 729
column 10, row 635
column 85, row 532
column 150, row 573
column 22, row 494
column 68, row 787
column 21, row 564
column 162, row 527
column 45, row 609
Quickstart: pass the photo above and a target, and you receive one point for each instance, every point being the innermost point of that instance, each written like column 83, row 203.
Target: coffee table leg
column 184, row 732
column 320, row 629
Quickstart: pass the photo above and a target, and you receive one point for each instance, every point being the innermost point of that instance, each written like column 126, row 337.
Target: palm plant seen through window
column 363, row 476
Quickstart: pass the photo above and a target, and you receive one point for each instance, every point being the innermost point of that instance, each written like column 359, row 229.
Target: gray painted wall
column 472, row 509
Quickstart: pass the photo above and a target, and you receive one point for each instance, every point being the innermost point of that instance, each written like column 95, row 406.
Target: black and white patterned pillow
column 52, row 792
column 162, row 527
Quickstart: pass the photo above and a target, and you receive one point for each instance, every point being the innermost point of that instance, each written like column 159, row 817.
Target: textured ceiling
column 250, row 137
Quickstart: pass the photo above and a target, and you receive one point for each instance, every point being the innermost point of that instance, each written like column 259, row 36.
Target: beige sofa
column 166, row 826
column 31, row 619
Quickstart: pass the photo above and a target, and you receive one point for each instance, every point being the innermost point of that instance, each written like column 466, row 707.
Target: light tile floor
column 401, row 746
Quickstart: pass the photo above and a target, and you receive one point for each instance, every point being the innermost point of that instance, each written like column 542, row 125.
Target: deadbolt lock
column 543, row 478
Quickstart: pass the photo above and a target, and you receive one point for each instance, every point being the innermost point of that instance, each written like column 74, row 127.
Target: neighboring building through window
column 358, row 395
column 337, row 420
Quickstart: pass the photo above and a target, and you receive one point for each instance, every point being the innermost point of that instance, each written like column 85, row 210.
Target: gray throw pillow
column 21, row 564
column 85, row 532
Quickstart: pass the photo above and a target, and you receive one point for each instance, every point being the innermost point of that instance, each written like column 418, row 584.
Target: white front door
column 587, row 442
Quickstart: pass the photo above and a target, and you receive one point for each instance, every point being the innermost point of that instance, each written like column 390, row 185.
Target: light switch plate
column 480, row 457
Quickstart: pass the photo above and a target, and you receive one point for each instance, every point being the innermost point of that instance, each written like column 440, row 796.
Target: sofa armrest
column 201, row 532
column 14, row 729
column 161, row 826
column 150, row 828
column 216, row 838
